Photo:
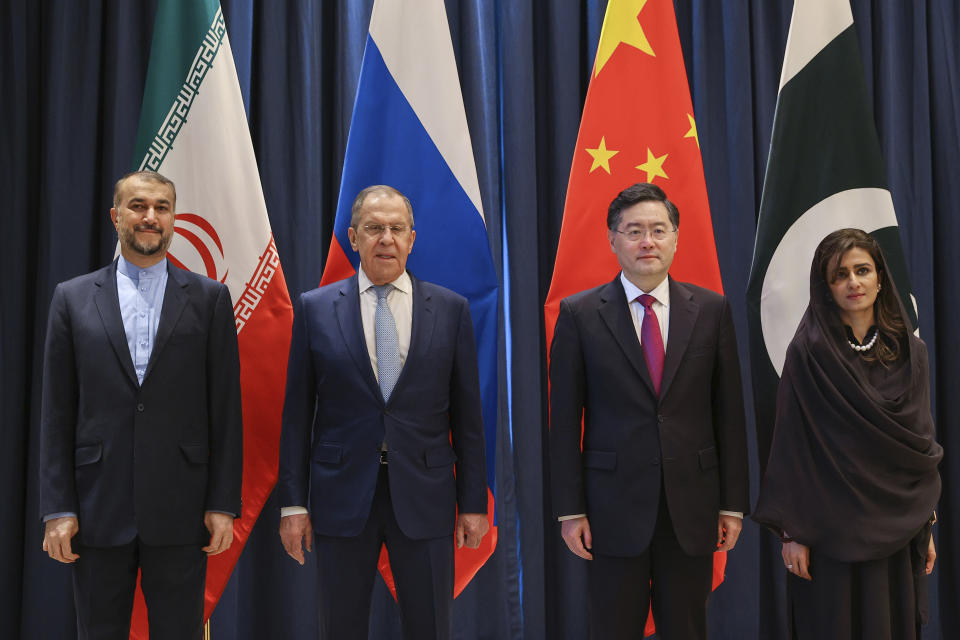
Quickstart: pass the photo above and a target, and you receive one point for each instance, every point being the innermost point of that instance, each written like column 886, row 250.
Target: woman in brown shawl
column 852, row 481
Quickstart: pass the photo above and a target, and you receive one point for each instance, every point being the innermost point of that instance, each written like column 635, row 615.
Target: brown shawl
column 852, row 471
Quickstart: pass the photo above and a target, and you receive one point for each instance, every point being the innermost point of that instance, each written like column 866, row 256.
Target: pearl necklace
column 866, row 346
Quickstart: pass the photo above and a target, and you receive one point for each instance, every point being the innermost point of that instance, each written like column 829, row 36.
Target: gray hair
column 379, row 189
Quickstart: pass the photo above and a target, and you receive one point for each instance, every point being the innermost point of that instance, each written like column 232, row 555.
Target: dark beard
column 129, row 239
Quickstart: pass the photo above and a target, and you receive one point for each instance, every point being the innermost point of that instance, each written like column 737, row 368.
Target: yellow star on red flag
column 621, row 25
column 601, row 156
column 654, row 166
column 692, row 132
column 641, row 101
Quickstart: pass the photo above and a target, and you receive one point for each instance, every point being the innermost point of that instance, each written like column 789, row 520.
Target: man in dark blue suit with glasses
column 382, row 437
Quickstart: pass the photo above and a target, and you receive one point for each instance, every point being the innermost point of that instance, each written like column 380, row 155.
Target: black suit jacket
column 692, row 436
column 148, row 459
column 335, row 419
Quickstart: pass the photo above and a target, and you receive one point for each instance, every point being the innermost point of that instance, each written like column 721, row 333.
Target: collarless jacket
column 141, row 459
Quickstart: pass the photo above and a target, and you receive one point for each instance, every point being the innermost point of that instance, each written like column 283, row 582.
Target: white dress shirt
column 661, row 307
column 400, row 301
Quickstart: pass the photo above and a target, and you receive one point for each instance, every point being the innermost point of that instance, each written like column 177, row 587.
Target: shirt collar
column 661, row 292
column 403, row 283
column 133, row 272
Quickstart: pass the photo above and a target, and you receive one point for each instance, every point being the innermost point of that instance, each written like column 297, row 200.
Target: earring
column 879, row 286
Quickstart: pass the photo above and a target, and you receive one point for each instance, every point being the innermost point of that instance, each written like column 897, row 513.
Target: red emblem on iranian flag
column 193, row 129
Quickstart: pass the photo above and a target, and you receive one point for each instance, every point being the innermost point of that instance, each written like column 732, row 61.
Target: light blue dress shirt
column 141, row 299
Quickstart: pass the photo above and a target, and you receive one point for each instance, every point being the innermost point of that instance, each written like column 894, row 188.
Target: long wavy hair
column 887, row 315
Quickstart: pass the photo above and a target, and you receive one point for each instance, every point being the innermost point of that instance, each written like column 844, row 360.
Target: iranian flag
column 193, row 129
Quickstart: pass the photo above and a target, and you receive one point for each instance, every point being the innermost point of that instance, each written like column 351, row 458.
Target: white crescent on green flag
column 193, row 129
column 824, row 172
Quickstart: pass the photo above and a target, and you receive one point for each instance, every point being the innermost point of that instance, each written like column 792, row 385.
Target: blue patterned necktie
column 388, row 343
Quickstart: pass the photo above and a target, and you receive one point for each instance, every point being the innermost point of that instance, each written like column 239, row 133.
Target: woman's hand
column 796, row 558
column 931, row 555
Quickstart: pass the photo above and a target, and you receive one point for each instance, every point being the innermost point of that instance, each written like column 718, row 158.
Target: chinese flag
column 637, row 126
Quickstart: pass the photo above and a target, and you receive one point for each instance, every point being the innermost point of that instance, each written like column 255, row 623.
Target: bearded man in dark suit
column 141, row 432
column 649, row 365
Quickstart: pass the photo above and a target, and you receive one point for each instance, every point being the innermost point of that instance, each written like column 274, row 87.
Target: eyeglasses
column 637, row 234
column 377, row 230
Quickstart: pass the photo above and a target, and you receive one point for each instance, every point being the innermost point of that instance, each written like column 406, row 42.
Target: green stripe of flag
column 178, row 34
column 824, row 143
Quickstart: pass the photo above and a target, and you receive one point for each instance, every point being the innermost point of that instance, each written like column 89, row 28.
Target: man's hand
column 796, row 558
column 471, row 527
column 295, row 532
column 220, row 526
column 576, row 533
column 728, row 531
column 57, row 535
column 931, row 555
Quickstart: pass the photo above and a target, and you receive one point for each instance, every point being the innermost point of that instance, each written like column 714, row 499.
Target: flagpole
column 206, row 631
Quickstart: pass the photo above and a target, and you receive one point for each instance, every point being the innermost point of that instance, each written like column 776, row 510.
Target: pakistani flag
column 824, row 173
column 193, row 129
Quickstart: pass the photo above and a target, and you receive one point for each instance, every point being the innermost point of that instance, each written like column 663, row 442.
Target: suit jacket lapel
column 108, row 305
column 683, row 316
column 174, row 300
column 421, row 332
column 347, row 308
column 616, row 314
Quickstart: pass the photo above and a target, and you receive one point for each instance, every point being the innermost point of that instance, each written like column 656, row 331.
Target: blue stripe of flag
column 388, row 145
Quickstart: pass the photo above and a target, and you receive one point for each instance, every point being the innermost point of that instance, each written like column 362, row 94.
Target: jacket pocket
column 195, row 452
column 708, row 458
column 600, row 460
column 87, row 454
column 439, row 457
column 328, row 453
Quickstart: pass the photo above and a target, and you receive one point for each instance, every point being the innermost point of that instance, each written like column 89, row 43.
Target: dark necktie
column 651, row 340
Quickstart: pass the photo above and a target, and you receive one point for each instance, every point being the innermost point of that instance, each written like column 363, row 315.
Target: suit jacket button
column 140, row 407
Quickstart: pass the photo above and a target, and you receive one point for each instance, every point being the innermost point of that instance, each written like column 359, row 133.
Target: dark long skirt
column 883, row 599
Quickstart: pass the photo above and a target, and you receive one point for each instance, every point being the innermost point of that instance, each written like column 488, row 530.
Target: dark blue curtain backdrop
column 73, row 73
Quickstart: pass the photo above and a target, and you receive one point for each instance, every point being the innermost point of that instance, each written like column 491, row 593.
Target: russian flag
column 409, row 131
